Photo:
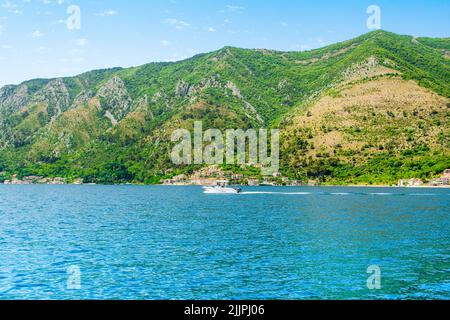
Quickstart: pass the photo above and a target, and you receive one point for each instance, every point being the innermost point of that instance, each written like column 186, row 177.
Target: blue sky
column 36, row 42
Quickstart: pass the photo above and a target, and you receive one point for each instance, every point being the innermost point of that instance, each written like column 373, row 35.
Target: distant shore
column 32, row 180
column 318, row 186
column 244, row 186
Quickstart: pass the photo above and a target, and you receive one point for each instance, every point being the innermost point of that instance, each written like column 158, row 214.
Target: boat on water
column 222, row 187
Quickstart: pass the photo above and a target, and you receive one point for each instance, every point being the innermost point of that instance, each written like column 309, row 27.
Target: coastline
column 210, row 176
column 239, row 185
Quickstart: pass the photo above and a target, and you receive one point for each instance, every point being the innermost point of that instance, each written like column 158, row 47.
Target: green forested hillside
column 112, row 126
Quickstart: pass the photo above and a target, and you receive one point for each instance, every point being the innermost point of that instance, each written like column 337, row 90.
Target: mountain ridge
column 445, row 45
column 47, row 125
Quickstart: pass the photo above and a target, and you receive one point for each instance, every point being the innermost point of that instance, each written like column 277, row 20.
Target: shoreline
column 318, row 186
column 242, row 186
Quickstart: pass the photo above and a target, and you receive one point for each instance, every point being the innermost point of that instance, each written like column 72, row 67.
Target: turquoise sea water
column 131, row 242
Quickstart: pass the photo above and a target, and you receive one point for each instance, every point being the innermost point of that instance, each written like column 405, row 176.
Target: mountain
column 369, row 110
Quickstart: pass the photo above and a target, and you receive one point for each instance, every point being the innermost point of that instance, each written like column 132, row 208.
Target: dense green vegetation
column 114, row 126
column 383, row 169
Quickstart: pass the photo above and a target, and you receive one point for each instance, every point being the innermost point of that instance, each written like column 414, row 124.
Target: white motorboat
column 221, row 188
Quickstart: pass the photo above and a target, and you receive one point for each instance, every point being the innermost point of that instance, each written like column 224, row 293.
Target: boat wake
column 381, row 194
column 272, row 192
column 386, row 194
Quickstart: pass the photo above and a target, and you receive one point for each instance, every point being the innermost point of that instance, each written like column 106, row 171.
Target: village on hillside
column 444, row 180
column 210, row 175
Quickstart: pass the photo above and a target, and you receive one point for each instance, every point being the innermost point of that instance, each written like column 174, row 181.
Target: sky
column 56, row 38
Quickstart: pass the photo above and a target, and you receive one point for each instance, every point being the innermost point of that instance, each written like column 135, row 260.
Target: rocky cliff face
column 13, row 98
column 114, row 99
column 183, row 89
column 55, row 96
column 83, row 97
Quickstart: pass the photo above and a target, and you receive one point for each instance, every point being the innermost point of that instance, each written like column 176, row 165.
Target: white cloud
column 107, row 13
column 11, row 7
column 165, row 42
column 212, row 29
column 179, row 24
column 8, row 5
column 235, row 8
column 37, row 34
column 82, row 42
column 284, row 24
